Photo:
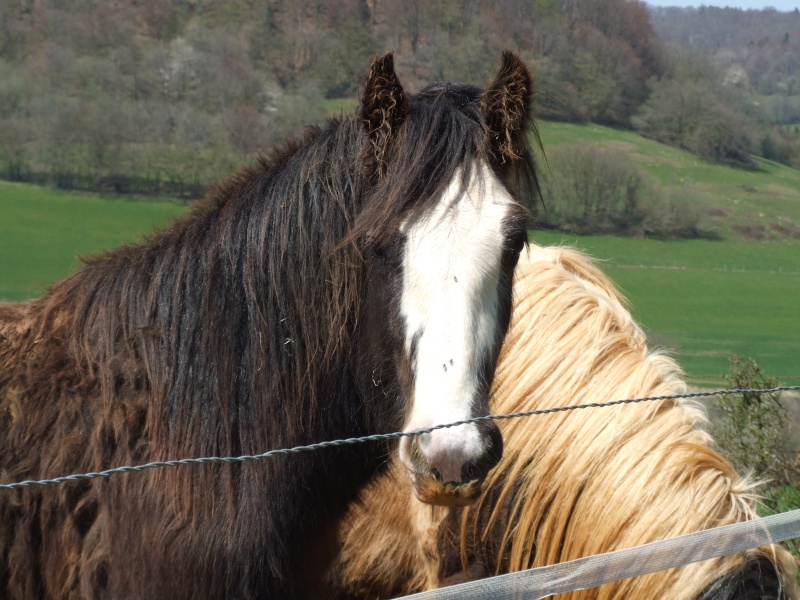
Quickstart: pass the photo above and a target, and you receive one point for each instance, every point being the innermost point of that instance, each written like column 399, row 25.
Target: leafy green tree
column 340, row 63
column 700, row 116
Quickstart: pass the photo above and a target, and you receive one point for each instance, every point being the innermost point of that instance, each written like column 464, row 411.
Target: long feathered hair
column 577, row 483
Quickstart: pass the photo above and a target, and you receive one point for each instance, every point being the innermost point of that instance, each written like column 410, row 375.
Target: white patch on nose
column 451, row 272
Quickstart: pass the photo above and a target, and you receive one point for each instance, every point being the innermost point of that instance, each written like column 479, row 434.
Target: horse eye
column 389, row 252
column 386, row 258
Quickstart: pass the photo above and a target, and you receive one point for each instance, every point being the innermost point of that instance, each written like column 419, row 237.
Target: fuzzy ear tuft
column 506, row 107
column 384, row 107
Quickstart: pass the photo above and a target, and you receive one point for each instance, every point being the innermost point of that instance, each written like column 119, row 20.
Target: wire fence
column 542, row 582
column 370, row 438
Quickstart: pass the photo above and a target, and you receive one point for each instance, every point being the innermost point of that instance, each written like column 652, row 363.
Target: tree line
column 167, row 97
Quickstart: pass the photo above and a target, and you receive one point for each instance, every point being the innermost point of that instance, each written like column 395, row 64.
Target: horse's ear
column 384, row 107
column 506, row 107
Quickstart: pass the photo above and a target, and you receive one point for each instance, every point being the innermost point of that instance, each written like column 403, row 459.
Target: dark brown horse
column 358, row 281
column 570, row 484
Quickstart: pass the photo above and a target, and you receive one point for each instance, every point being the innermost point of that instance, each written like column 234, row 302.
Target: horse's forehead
column 453, row 255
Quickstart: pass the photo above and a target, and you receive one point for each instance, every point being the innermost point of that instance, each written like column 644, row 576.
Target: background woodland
column 167, row 97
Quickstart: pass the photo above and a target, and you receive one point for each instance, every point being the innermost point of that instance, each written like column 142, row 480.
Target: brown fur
column 570, row 484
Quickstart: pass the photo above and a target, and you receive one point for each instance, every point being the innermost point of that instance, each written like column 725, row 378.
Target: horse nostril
column 418, row 447
column 436, row 475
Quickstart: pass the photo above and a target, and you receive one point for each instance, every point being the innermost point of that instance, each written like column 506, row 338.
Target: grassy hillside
column 750, row 204
column 42, row 232
column 705, row 299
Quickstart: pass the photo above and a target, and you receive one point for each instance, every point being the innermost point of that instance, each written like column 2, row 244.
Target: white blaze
column 451, row 271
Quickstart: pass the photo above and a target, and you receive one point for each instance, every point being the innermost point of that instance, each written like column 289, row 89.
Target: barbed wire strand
column 375, row 437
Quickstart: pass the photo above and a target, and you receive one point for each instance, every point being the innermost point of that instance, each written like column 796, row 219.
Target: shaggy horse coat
column 270, row 317
column 570, row 484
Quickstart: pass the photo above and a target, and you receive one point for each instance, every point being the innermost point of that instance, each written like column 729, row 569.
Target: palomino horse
column 357, row 282
column 570, row 484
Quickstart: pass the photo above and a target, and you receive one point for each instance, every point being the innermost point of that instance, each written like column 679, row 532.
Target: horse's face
column 437, row 308
column 455, row 303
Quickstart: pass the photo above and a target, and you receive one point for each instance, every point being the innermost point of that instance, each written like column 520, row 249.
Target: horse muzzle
column 448, row 466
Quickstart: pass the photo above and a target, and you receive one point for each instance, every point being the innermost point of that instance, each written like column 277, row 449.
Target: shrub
column 782, row 145
column 675, row 213
column 749, row 433
column 594, row 190
column 591, row 189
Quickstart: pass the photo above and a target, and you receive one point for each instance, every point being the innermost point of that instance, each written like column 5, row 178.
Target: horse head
column 441, row 233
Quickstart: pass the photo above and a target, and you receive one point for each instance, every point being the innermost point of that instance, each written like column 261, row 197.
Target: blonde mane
column 570, row 484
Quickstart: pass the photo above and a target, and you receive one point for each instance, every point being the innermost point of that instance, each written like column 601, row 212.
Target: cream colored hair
column 570, row 484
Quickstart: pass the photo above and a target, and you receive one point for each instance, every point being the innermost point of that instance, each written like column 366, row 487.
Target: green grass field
column 706, row 300
column 42, row 232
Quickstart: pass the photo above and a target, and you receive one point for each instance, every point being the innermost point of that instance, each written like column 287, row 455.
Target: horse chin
column 430, row 490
